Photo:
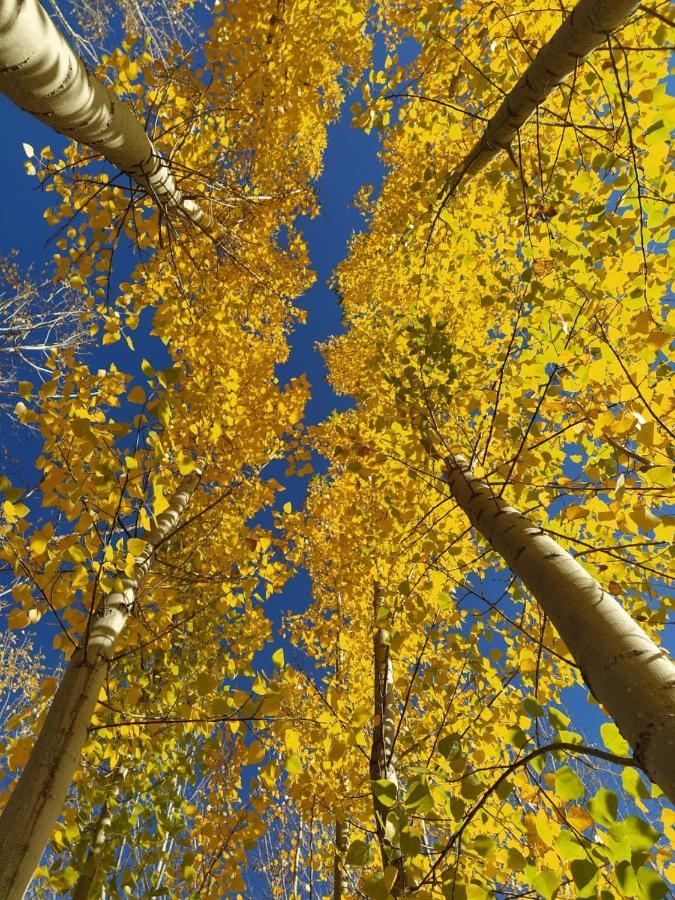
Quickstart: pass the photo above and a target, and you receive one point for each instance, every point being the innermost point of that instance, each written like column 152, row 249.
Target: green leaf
column 636, row 831
column 569, row 847
column 449, row 746
column 516, row 860
column 568, row 785
column 70, row 876
column 603, row 807
column 651, row 885
column 532, row 707
column 385, row 792
column 504, row 789
column 557, row 718
column 376, row 888
column 358, row 854
column 585, row 874
column 547, row 883
column 634, row 785
column 516, row 737
column 483, row 845
column 471, row 787
column 611, row 738
column 418, row 797
column 625, row 878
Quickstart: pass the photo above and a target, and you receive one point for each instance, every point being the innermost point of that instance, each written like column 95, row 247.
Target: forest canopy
column 404, row 633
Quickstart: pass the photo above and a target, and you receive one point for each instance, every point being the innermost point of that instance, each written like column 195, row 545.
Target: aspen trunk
column 626, row 671
column 341, row 828
column 41, row 73
column 382, row 757
column 586, row 27
column 341, row 845
column 295, row 890
column 86, row 882
column 28, row 819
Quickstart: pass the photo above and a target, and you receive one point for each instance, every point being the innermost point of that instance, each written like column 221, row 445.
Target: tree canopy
column 473, row 696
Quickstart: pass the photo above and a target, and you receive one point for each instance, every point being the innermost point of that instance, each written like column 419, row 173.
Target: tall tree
column 36, row 801
column 111, row 473
column 41, row 73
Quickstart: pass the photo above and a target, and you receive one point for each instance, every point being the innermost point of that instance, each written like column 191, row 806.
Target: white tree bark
column 587, row 26
column 626, row 671
column 41, row 73
column 28, row 819
column 85, row 883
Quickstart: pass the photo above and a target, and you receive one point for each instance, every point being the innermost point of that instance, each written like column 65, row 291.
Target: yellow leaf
column 293, row 765
column 659, row 475
column 644, row 518
column 40, row 539
column 160, row 502
column 48, row 686
column 136, row 546
column 17, row 619
column 278, row 657
column 136, row 395
column 219, row 707
column 205, row 683
column 291, row 740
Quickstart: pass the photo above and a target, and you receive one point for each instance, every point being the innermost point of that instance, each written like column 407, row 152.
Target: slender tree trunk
column 341, row 845
column 295, row 890
column 41, row 73
column 36, row 802
column 85, row 883
column 626, row 671
column 382, row 757
column 587, row 26
column 341, row 828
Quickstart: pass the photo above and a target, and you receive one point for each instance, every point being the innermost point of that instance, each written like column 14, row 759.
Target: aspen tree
column 625, row 670
column 529, row 332
column 40, row 72
column 341, row 845
column 587, row 26
column 37, row 799
column 341, row 827
column 85, row 884
column 383, row 774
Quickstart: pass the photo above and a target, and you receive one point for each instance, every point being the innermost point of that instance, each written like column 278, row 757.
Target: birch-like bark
column 587, row 26
column 33, row 808
column 86, row 882
column 41, row 73
column 382, row 756
column 295, row 889
column 626, row 671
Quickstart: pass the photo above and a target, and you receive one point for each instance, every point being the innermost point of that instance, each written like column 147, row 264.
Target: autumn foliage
column 420, row 728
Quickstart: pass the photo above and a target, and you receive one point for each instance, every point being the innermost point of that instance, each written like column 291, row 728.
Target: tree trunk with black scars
column 36, row 802
column 626, row 671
